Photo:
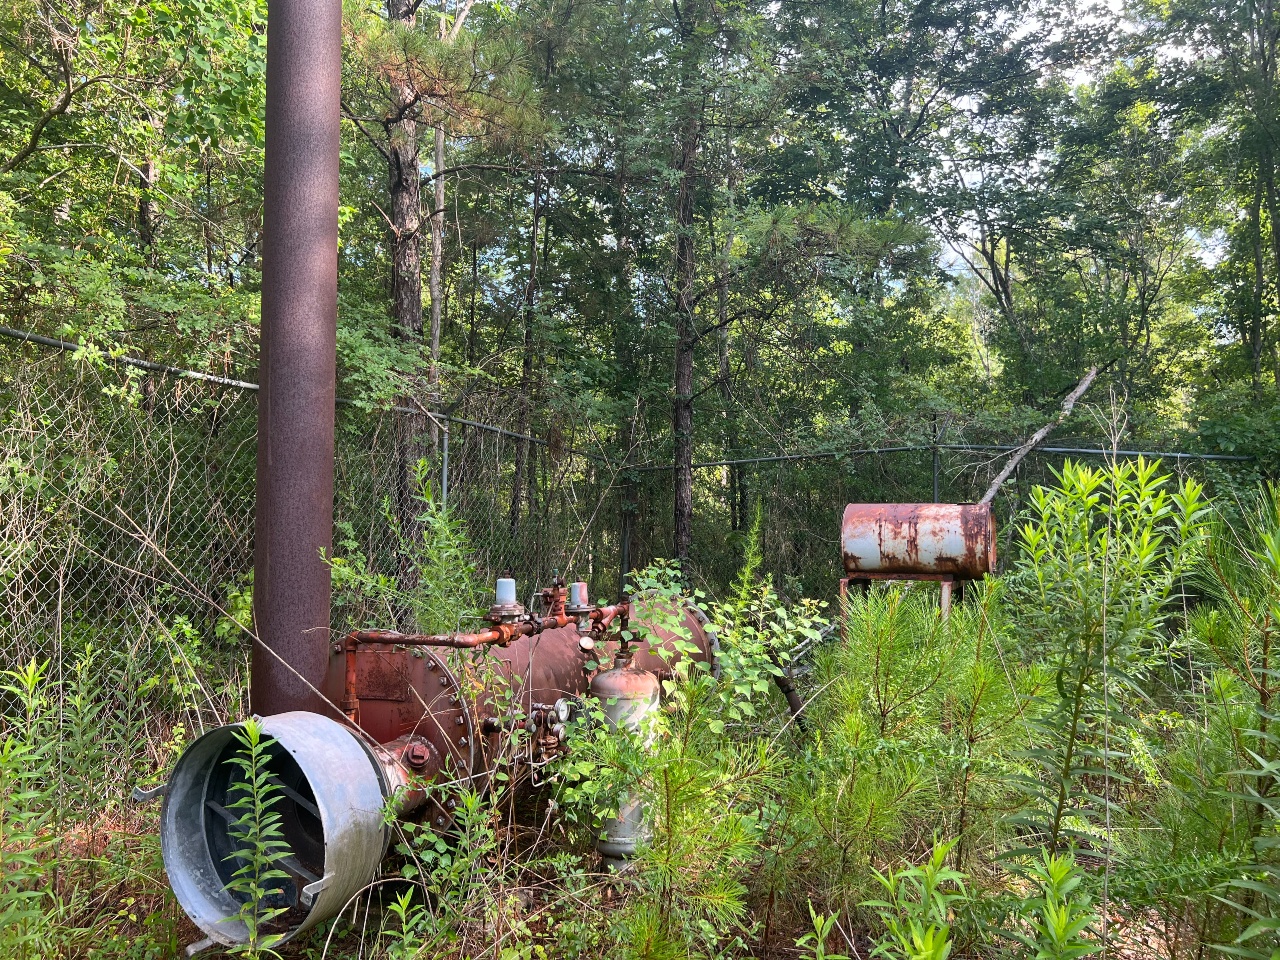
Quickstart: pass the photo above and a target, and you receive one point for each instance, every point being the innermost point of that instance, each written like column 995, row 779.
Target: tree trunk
column 1255, row 321
column 526, row 365
column 737, row 517
column 147, row 209
column 682, row 406
column 404, row 187
column 406, row 201
column 437, row 266
column 686, row 269
column 471, row 311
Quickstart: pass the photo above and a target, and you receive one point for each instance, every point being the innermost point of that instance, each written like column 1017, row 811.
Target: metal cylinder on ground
column 328, row 788
column 629, row 696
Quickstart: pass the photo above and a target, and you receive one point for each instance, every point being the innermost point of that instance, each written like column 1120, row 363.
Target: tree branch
column 508, row 168
column 367, row 135
column 459, row 18
column 56, row 110
column 1038, row 437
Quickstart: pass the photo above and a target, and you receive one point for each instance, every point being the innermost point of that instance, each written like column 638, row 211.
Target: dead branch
column 1037, row 438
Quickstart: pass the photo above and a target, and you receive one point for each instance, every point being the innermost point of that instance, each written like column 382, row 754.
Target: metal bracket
column 198, row 947
column 143, row 795
column 308, row 895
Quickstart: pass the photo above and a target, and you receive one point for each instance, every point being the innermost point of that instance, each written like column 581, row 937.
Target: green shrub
column 918, row 907
column 434, row 585
column 1101, row 559
column 1059, row 915
column 28, row 804
column 259, row 840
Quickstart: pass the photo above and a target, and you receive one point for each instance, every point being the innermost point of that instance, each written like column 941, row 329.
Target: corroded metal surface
column 629, row 696
column 294, row 521
column 458, row 697
column 918, row 538
column 667, row 626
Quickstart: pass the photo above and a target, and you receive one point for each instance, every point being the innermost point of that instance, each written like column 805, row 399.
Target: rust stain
column 919, row 538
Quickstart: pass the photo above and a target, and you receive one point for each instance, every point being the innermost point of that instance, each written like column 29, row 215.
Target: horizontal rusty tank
column 914, row 539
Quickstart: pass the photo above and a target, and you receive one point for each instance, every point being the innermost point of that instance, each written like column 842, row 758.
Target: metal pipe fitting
column 331, row 789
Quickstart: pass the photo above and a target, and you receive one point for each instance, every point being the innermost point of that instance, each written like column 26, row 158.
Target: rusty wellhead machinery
column 377, row 724
column 422, row 718
column 948, row 543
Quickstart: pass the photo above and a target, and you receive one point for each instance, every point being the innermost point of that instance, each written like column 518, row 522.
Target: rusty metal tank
column 655, row 647
column 913, row 539
column 451, row 703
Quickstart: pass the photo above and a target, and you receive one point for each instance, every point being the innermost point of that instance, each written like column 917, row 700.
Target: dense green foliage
column 662, row 234
column 850, row 222
column 1079, row 759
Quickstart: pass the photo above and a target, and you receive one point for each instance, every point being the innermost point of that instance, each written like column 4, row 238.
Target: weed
column 917, row 909
column 259, row 841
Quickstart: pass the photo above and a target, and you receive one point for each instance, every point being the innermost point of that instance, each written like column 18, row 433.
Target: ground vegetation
column 655, row 243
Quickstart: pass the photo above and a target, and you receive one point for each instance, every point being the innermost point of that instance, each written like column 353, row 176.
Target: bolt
column 431, row 664
column 417, row 754
column 463, row 741
column 337, row 648
column 451, row 804
column 459, row 721
column 444, row 681
column 439, row 821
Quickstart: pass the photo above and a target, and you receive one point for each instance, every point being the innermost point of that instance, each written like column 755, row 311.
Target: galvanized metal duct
column 333, row 790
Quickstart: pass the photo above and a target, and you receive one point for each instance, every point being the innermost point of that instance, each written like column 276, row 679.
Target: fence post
column 936, row 457
column 624, row 551
column 444, row 465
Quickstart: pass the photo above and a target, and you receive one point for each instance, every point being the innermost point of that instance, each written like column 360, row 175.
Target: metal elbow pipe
column 331, row 789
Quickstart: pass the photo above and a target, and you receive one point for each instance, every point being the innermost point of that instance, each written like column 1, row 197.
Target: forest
column 639, row 294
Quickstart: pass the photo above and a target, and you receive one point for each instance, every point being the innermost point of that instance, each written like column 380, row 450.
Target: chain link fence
column 529, row 506
column 127, row 502
column 800, row 499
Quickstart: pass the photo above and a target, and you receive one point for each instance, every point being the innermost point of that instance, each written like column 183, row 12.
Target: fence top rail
column 153, row 367
column 957, row 447
column 1101, row 452
column 141, row 364
column 128, row 361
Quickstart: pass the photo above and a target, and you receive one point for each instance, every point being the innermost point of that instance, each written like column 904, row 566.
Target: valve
column 505, row 608
column 580, row 607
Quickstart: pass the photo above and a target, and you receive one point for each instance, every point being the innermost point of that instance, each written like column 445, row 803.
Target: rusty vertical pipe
column 294, row 519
